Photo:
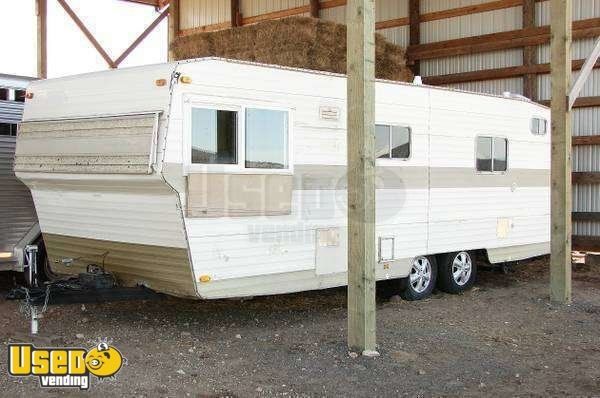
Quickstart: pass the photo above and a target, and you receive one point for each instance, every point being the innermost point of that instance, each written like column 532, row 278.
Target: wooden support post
column 529, row 52
column 173, row 27
column 315, row 8
column 236, row 15
column 414, row 18
column 42, row 38
column 560, row 262
column 360, row 20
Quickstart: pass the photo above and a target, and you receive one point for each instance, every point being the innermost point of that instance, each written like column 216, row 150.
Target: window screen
column 392, row 142
column 214, row 135
column 266, row 139
column 492, row 154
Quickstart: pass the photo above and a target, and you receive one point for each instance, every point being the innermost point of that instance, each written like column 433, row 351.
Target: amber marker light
column 160, row 82
column 6, row 254
column 185, row 79
column 205, row 278
column 29, row 95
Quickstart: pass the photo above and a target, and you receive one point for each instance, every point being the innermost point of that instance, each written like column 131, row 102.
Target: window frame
column 239, row 167
column 492, row 137
column 410, row 142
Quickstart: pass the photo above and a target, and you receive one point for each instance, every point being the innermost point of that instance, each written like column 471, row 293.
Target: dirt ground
column 503, row 338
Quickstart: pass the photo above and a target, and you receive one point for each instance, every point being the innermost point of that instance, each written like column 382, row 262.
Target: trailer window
column 8, row 129
column 20, row 95
column 392, row 142
column 266, row 139
column 539, row 126
column 214, row 136
column 491, row 154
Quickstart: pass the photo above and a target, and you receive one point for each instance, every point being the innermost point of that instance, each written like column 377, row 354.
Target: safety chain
column 25, row 305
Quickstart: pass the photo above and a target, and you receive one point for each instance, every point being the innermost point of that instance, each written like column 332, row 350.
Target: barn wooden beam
column 173, row 28
column 499, row 41
column 561, row 199
column 276, row 14
column 236, row 14
column 360, row 20
column 204, row 28
column 586, row 243
column 315, row 8
column 529, row 52
column 582, row 102
column 143, row 35
column 586, row 177
column 414, row 32
column 585, row 216
column 498, row 73
column 586, row 140
column 42, row 38
column 87, row 33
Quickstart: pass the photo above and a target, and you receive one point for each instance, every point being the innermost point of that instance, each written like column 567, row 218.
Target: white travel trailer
column 214, row 178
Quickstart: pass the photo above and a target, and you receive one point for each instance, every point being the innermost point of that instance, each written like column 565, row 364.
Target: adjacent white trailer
column 214, row 178
column 18, row 222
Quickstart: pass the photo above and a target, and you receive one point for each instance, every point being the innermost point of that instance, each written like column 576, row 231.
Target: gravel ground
column 503, row 338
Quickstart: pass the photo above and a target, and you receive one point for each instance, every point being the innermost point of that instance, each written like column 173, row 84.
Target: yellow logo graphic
column 64, row 367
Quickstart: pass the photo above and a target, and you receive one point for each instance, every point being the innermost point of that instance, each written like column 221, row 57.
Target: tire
column 422, row 279
column 457, row 272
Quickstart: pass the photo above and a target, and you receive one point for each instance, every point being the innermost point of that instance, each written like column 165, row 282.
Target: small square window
column 539, row 126
column 392, row 142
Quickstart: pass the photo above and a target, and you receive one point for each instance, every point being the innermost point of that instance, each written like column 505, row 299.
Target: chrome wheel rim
column 420, row 274
column 462, row 267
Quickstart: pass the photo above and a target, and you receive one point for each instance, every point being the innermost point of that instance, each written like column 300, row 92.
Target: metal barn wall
column 586, row 198
column 195, row 13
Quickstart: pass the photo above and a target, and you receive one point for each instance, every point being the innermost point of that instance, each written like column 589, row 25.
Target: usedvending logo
column 64, row 367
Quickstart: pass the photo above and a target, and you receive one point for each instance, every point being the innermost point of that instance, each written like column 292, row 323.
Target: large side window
column 491, row 154
column 392, row 142
column 214, row 136
column 266, row 139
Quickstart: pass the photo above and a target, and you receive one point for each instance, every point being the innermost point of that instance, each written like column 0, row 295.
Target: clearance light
column 161, row 82
column 205, row 278
column 6, row 254
column 29, row 95
column 185, row 79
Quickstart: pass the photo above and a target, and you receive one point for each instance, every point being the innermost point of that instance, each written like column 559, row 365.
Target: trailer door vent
column 386, row 249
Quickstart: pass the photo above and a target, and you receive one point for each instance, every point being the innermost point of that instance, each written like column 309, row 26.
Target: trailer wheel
column 458, row 272
column 420, row 282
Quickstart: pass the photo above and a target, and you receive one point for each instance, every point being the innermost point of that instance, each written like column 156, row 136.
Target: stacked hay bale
column 300, row 42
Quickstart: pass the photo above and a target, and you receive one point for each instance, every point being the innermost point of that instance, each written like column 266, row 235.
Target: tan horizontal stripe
column 314, row 177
